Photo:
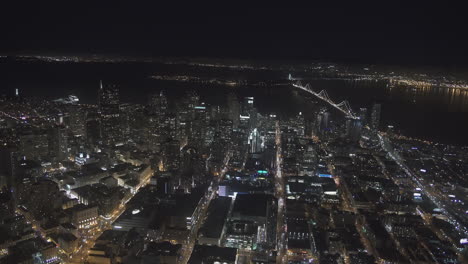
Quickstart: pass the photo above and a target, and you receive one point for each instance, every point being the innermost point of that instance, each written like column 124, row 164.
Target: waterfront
column 431, row 113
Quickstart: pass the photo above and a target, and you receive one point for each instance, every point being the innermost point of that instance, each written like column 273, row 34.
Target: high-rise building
column 58, row 142
column 34, row 144
column 125, row 120
column 249, row 110
column 185, row 116
column 255, row 141
column 233, row 109
column 225, row 127
column 76, row 120
column 93, row 127
column 353, row 129
column 161, row 124
column 375, row 116
column 323, row 121
column 326, row 120
column 109, row 109
column 363, row 115
column 158, row 104
column 298, row 124
column 170, row 155
column 199, row 126
column 8, row 164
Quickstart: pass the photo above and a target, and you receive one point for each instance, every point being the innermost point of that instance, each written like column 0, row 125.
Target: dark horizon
column 395, row 34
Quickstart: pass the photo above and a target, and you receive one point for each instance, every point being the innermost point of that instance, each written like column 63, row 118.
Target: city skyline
column 228, row 134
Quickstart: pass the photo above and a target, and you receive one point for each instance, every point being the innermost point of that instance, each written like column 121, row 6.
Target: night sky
column 392, row 32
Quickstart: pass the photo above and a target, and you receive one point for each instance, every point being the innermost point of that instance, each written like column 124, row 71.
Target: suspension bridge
column 343, row 106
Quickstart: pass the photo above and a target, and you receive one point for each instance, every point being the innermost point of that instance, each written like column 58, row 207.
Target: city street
column 280, row 195
column 202, row 208
column 90, row 235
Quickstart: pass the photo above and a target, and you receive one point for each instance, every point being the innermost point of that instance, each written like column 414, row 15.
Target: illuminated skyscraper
column 353, row 129
column 198, row 126
column 363, row 115
column 234, row 111
column 158, row 104
column 249, row 110
column 126, row 111
column 93, row 127
column 255, row 141
column 58, row 142
column 159, row 121
column 8, row 165
column 375, row 116
column 109, row 109
column 170, row 151
column 76, row 120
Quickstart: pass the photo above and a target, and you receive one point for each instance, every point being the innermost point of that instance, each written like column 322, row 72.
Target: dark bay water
column 433, row 113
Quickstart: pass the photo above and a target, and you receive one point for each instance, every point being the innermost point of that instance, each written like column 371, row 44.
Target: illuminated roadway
column 202, row 208
column 279, row 191
column 344, row 106
column 434, row 197
column 92, row 234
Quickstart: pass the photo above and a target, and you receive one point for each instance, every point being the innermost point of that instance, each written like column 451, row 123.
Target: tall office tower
column 126, row 112
column 210, row 133
column 8, row 156
column 225, row 127
column 249, row 110
column 8, row 163
column 255, row 141
column 363, row 115
column 222, row 140
column 216, row 112
column 134, row 122
column 193, row 99
column 93, row 128
column 34, row 144
column 170, row 125
column 323, row 121
column 152, row 135
column 390, row 130
column 158, row 104
column 298, row 124
column 183, row 123
column 326, row 120
column 199, row 127
column 233, row 109
column 192, row 167
column 247, row 105
column 309, row 130
column 58, row 142
column 375, row 116
column 109, row 109
column 170, row 155
column 316, row 126
column 353, row 129
column 159, row 121
column 76, row 120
